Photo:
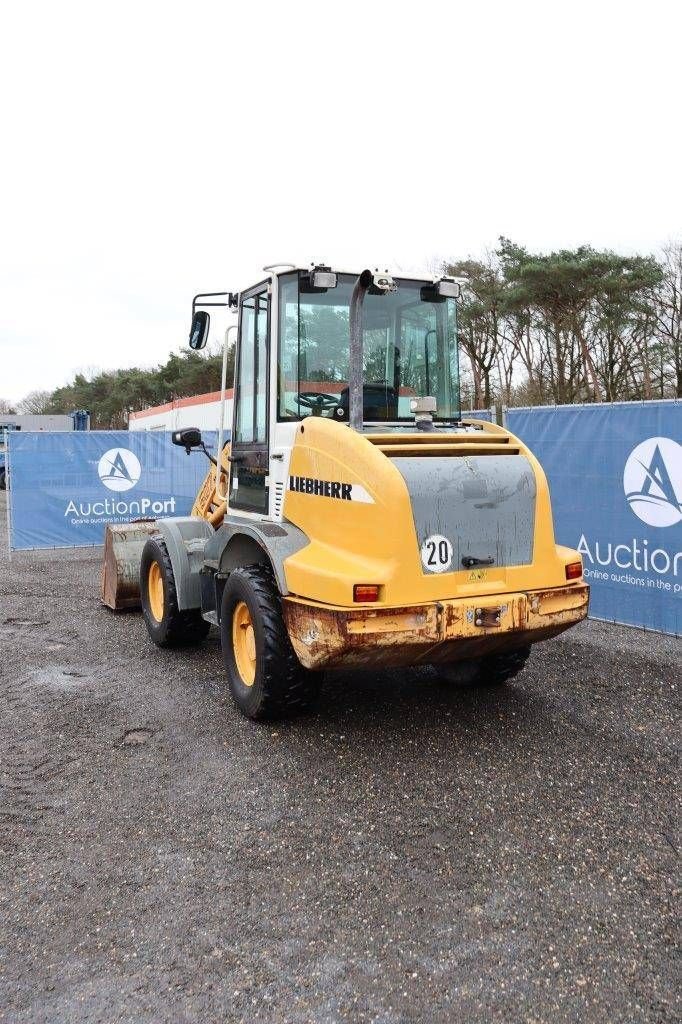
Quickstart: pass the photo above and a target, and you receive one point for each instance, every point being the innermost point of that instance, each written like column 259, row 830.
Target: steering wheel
column 317, row 400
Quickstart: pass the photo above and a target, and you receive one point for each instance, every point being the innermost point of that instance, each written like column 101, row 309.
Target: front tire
column 167, row 625
column 265, row 677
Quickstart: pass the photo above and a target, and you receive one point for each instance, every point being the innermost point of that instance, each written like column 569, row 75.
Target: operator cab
column 409, row 349
column 294, row 360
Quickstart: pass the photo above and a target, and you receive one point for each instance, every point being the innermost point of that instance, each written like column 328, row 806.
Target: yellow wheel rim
column 155, row 591
column 244, row 643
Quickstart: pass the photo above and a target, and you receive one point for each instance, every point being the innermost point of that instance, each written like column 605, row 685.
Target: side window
column 249, row 471
column 261, row 346
column 287, row 383
column 245, row 381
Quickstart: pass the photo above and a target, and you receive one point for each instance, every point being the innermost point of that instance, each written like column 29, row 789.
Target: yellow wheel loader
column 355, row 519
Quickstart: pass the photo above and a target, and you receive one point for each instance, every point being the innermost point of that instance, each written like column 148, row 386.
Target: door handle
column 469, row 561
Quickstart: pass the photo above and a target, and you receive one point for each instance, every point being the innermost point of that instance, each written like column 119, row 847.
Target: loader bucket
column 123, row 545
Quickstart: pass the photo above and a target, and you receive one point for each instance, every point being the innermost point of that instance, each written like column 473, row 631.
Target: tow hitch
column 488, row 617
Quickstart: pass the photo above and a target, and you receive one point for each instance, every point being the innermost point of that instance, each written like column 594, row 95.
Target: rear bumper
column 436, row 633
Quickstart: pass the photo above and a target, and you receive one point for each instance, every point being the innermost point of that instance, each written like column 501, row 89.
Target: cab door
column 249, row 490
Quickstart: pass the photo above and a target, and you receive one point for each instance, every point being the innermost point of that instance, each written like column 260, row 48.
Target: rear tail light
column 366, row 592
column 574, row 570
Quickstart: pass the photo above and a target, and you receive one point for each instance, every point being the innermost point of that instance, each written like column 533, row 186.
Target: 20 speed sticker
column 436, row 553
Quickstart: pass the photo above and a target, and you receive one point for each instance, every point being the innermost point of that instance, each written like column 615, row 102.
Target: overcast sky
column 151, row 150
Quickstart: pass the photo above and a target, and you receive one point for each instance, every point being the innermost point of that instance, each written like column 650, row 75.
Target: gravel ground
column 410, row 853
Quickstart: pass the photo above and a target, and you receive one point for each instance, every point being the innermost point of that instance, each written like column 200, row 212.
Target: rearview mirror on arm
column 198, row 334
column 188, row 438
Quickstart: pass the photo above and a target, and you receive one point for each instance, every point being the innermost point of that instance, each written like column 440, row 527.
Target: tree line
column 578, row 325
column 572, row 326
column 111, row 395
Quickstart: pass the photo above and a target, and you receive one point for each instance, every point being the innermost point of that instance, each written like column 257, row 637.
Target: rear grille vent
column 442, row 445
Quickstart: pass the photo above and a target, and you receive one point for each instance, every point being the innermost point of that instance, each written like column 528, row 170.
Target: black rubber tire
column 177, row 628
column 3, row 484
column 282, row 687
column 498, row 669
column 494, row 670
column 458, row 673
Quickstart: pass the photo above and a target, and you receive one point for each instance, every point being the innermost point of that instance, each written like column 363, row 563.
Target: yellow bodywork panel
column 372, row 538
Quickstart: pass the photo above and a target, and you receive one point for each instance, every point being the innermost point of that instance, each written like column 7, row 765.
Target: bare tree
column 35, row 402
column 6, row 407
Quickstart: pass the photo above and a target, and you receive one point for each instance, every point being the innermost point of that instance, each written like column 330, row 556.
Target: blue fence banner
column 479, row 414
column 615, row 476
column 65, row 487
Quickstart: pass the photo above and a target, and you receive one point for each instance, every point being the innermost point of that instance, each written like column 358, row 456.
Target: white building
column 42, row 421
column 202, row 411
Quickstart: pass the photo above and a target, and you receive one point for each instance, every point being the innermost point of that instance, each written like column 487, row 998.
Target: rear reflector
column 574, row 570
column 366, row 592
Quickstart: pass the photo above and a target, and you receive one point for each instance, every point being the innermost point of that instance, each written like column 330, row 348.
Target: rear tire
column 458, row 673
column 166, row 624
column 494, row 670
column 265, row 677
column 498, row 669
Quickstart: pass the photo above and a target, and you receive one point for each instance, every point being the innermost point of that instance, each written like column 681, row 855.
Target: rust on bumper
column 437, row 633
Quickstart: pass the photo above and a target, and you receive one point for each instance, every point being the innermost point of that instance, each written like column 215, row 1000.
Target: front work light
column 324, row 279
column 574, row 570
column 319, row 278
column 366, row 592
column 448, row 288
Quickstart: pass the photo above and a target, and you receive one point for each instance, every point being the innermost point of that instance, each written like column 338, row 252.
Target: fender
column 186, row 538
column 264, row 541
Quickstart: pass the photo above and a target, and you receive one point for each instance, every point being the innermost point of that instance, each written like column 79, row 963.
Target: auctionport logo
column 119, row 469
column 652, row 481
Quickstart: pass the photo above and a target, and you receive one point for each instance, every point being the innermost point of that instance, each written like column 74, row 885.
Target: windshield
column 409, row 350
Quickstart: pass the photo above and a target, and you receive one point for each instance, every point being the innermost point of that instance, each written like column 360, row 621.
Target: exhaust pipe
column 376, row 284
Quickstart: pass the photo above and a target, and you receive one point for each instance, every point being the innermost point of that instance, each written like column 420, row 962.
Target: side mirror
column 198, row 333
column 188, row 438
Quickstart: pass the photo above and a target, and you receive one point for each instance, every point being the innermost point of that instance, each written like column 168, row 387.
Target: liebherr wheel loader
column 355, row 519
